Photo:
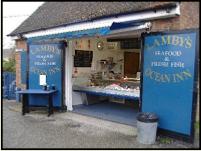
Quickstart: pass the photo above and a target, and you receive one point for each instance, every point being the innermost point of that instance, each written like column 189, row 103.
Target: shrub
column 9, row 65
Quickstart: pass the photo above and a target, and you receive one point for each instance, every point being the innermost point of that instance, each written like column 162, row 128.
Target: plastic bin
column 147, row 127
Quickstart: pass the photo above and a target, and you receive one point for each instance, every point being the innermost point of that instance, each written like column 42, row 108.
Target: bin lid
column 147, row 117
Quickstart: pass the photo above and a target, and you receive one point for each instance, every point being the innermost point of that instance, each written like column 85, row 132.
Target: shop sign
column 168, row 80
column 45, row 59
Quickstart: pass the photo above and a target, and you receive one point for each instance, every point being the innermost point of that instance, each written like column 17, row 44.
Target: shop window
column 130, row 43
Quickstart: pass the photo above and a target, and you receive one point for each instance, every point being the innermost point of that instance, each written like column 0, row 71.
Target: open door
column 131, row 64
column 168, row 80
column 46, row 59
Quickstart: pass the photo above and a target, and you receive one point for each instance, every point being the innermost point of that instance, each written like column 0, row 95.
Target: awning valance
column 75, row 34
column 115, row 27
column 118, row 26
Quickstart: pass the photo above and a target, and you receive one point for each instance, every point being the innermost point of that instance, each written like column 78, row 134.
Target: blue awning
column 117, row 26
column 90, row 32
column 76, row 34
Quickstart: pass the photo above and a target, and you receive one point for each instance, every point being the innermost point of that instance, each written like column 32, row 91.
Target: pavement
column 70, row 130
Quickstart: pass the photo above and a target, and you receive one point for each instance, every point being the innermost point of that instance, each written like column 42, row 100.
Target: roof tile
column 52, row 14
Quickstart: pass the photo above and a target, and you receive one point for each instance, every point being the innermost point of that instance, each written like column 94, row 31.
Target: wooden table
column 25, row 100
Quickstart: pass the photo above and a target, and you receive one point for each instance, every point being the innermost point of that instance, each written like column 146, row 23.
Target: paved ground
column 36, row 130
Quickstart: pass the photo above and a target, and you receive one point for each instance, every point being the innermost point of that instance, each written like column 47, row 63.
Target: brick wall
column 18, row 64
column 20, row 44
column 189, row 18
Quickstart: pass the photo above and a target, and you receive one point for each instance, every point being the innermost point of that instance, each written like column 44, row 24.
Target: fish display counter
column 113, row 90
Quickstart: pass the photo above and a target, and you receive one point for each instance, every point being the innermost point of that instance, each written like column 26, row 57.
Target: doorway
column 131, row 64
column 101, row 90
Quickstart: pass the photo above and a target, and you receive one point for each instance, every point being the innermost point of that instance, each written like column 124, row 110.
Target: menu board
column 83, row 58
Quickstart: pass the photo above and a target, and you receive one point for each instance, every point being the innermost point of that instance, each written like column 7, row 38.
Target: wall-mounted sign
column 45, row 67
column 168, row 80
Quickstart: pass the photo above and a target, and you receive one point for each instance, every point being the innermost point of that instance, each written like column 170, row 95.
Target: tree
column 9, row 65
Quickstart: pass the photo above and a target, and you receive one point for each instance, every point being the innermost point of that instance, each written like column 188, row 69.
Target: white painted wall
column 84, row 72
column 83, row 76
column 68, row 73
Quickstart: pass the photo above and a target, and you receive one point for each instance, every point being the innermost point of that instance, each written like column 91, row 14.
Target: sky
column 14, row 13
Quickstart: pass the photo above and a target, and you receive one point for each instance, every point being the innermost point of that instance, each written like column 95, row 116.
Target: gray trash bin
column 147, row 127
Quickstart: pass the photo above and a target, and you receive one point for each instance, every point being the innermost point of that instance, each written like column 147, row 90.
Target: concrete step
column 109, row 125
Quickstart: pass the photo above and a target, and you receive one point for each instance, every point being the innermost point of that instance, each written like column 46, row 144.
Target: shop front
column 109, row 68
column 101, row 75
column 98, row 75
column 96, row 71
column 106, row 78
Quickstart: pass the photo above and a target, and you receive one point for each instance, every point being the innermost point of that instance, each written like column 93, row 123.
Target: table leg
column 25, row 104
column 50, row 105
column 52, row 108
